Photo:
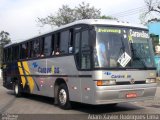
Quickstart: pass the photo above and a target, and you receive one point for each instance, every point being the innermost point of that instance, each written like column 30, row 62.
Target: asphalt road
column 42, row 107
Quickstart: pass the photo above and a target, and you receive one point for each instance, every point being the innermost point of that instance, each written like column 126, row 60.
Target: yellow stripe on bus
column 21, row 73
column 30, row 79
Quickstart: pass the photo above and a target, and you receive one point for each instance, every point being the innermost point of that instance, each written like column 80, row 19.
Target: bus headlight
column 150, row 80
column 106, row 82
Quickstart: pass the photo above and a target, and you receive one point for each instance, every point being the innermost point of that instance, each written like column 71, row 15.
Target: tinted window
column 64, row 41
column 24, row 51
column 5, row 55
column 9, row 54
column 47, row 46
column 85, row 51
column 15, row 52
column 77, row 42
column 85, row 40
column 76, row 48
column 71, row 41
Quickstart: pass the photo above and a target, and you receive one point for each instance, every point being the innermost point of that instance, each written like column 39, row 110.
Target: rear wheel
column 17, row 90
column 63, row 97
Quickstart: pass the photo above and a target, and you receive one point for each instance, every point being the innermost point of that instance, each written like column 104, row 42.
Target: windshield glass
column 122, row 48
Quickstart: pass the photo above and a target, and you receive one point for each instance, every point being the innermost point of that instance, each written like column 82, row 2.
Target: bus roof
column 90, row 22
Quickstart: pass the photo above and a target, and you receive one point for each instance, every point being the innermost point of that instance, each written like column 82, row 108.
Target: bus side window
column 76, row 47
column 77, row 43
column 47, row 46
column 64, row 41
column 30, row 49
column 4, row 56
column 41, row 42
column 53, row 45
column 15, row 53
column 9, row 54
column 71, row 41
column 57, row 44
column 85, row 50
column 24, row 50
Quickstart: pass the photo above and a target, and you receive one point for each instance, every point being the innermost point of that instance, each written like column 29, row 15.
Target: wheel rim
column 16, row 89
column 62, row 96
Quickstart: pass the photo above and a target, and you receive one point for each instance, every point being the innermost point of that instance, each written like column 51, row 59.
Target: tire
column 17, row 90
column 63, row 97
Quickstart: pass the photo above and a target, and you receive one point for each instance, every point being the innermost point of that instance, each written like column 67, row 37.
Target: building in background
column 154, row 30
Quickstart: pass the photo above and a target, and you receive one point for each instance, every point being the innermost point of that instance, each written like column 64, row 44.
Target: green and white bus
column 88, row 61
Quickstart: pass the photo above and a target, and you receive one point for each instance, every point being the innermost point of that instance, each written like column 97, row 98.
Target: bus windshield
column 123, row 48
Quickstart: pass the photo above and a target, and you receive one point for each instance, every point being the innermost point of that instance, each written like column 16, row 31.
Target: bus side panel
column 65, row 68
column 43, row 73
column 87, row 86
column 74, row 87
column 39, row 81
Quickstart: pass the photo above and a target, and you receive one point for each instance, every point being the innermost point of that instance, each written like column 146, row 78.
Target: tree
column 4, row 39
column 108, row 17
column 153, row 6
column 67, row 15
column 63, row 16
column 152, row 11
column 85, row 11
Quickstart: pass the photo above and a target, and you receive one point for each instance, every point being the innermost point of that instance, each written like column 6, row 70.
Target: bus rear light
column 106, row 82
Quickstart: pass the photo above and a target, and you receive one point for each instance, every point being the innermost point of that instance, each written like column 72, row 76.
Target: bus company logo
column 52, row 69
column 107, row 73
column 121, row 76
column 46, row 70
column 34, row 64
column 138, row 34
column 117, row 76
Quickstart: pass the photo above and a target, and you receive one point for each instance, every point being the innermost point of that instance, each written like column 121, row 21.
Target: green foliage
column 63, row 16
column 108, row 17
column 4, row 39
column 67, row 15
column 85, row 11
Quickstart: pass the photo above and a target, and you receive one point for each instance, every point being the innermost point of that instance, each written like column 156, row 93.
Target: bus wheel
column 17, row 90
column 63, row 97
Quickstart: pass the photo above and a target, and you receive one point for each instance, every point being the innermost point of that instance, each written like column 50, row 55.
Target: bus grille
column 129, row 83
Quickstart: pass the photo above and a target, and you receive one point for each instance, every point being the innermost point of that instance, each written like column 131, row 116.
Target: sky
column 19, row 17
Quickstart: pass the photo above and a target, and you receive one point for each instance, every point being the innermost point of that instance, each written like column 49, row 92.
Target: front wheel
column 63, row 97
column 17, row 90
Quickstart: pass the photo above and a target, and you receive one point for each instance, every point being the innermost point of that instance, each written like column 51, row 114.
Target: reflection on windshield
column 141, row 54
column 112, row 43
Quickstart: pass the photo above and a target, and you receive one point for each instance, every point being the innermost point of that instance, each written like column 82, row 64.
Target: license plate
column 131, row 95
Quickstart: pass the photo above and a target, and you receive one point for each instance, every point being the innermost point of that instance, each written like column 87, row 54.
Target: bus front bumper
column 124, row 93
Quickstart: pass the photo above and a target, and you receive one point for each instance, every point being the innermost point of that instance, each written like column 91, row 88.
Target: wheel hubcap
column 62, row 96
